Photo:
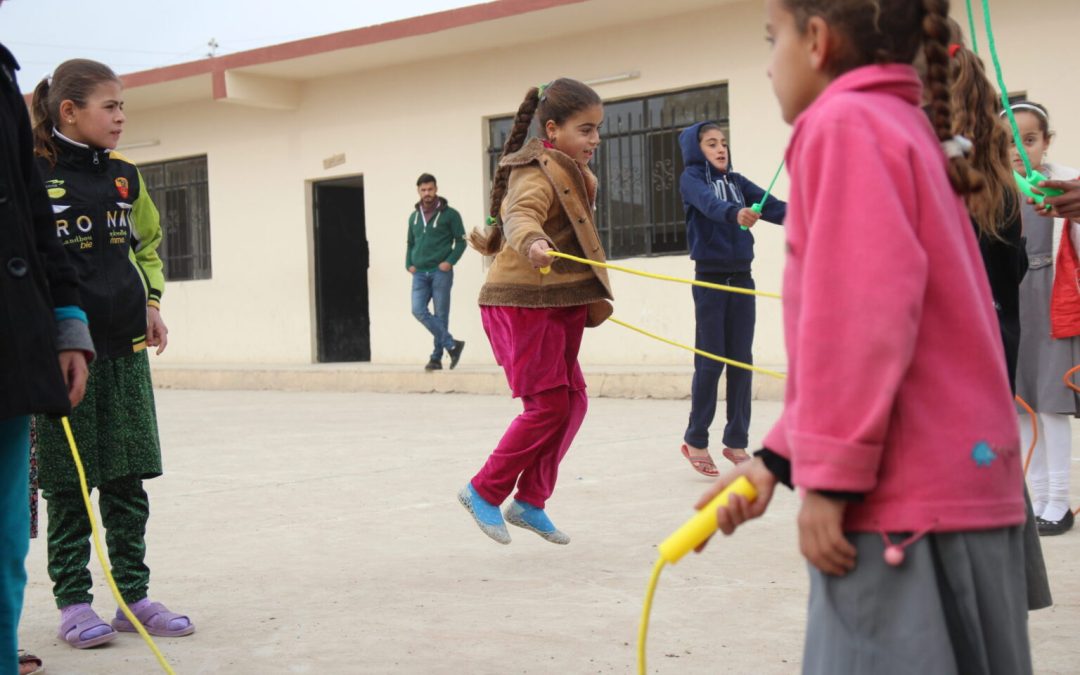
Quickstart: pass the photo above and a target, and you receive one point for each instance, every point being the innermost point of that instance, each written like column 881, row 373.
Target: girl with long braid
column 534, row 309
column 897, row 424
column 995, row 215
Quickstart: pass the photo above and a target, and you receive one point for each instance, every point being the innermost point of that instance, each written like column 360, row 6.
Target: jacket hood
column 692, row 154
column 443, row 203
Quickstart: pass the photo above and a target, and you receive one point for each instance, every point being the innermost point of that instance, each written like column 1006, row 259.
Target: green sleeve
column 147, row 229
column 409, row 244
column 458, row 232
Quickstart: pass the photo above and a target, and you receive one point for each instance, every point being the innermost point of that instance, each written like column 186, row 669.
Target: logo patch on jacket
column 122, row 187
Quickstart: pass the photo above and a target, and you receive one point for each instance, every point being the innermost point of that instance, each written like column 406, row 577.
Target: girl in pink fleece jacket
column 898, row 424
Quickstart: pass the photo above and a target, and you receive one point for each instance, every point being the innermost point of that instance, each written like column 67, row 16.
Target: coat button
column 581, row 220
column 17, row 267
column 566, row 191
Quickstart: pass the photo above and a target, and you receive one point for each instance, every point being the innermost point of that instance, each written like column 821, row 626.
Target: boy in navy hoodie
column 717, row 202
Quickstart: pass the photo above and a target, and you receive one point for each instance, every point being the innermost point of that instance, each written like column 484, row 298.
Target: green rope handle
column 1004, row 91
column 971, row 29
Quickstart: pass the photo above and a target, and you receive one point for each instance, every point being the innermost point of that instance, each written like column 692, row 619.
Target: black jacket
column 110, row 228
column 1006, row 264
column 35, row 276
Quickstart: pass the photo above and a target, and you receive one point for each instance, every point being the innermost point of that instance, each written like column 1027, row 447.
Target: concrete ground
column 319, row 533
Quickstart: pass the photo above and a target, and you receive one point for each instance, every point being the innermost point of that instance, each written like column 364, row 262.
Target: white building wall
column 394, row 123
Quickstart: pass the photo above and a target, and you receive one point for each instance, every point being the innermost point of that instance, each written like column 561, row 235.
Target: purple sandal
column 72, row 630
column 155, row 618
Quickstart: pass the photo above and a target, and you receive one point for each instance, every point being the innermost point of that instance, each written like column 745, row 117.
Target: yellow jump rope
column 703, row 525
column 101, row 556
column 692, row 534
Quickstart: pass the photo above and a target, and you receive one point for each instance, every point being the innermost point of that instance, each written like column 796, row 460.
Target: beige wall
column 394, row 123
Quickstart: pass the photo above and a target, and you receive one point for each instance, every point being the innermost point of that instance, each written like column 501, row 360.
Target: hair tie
column 957, row 146
column 48, row 79
column 953, row 48
column 491, row 220
column 540, row 89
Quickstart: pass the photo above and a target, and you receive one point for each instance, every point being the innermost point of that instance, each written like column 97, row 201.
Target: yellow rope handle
column 643, row 628
column 101, row 556
column 663, row 277
column 714, row 357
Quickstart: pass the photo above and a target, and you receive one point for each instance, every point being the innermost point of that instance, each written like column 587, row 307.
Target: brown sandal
column 703, row 465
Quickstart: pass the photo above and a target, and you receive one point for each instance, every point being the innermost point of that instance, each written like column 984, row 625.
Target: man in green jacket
column 436, row 242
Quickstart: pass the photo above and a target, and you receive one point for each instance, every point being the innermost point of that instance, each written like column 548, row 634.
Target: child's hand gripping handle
column 547, row 268
column 1029, row 185
column 756, row 208
column 703, row 524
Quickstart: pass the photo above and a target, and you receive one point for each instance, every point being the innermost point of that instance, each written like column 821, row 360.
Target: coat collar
column 567, row 171
column 532, row 151
column 79, row 155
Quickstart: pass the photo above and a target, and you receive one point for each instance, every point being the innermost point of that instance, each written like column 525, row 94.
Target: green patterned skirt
column 115, row 428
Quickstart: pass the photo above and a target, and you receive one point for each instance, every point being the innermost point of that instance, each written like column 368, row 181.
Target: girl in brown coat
column 542, row 199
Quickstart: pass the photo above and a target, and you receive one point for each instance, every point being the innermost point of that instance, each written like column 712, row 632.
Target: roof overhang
column 271, row 77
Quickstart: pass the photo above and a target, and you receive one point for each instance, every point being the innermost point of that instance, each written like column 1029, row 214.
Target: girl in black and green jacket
column 110, row 230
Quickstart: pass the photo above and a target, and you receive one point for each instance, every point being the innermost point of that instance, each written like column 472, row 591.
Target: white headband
column 1027, row 106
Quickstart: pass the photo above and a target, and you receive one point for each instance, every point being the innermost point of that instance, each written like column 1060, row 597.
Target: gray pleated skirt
column 957, row 605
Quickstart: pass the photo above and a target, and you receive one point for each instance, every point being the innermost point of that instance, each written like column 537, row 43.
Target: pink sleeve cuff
column 824, row 463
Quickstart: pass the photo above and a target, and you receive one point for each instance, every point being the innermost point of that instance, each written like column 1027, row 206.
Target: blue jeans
column 725, row 327
column 14, row 534
column 434, row 288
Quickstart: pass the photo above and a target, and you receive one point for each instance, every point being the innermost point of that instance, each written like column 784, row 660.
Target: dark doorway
column 341, row 264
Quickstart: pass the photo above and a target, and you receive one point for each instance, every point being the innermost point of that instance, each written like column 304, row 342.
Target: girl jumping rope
column 542, row 199
column 898, row 421
column 1049, row 342
column 109, row 228
column 718, row 222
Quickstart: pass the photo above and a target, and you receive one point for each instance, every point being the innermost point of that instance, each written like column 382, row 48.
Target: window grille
column 179, row 189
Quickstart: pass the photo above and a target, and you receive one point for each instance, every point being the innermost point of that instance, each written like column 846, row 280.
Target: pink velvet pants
column 538, row 350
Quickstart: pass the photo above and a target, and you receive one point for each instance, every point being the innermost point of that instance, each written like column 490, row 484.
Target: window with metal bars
column 179, row 189
column 639, row 211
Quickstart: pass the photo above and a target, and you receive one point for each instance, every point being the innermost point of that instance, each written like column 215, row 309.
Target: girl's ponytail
column 74, row 80
column 489, row 243
column 44, row 145
column 936, row 36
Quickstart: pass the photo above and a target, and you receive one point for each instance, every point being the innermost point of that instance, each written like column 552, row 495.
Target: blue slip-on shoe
column 485, row 514
column 531, row 518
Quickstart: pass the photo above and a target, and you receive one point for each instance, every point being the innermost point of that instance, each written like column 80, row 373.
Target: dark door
column 341, row 265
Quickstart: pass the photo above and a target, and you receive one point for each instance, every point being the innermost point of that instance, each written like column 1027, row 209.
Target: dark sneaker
column 455, row 352
column 1050, row 528
column 434, row 365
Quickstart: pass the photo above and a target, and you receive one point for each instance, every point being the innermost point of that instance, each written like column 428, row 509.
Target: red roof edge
column 394, row 30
